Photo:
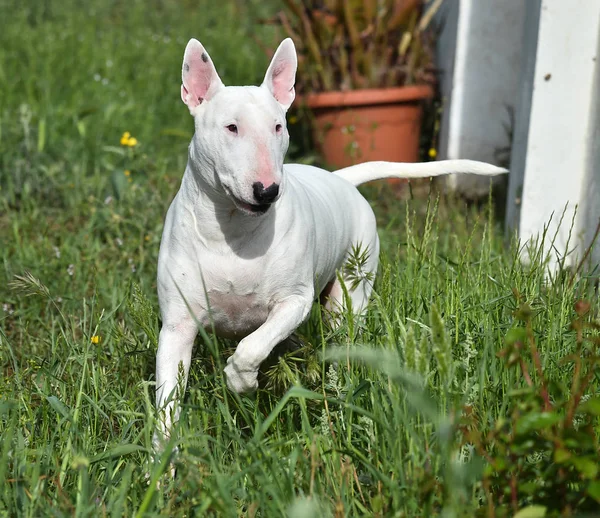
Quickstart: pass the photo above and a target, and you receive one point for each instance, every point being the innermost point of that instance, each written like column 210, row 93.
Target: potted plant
column 365, row 66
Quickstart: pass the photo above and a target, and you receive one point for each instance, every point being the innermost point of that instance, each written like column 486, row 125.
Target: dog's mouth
column 249, row 208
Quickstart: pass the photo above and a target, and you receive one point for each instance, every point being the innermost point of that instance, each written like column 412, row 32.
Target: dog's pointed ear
column 199, row 76
column 281, row 74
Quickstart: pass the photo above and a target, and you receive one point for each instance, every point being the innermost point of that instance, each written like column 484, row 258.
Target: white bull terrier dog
column 248, row 242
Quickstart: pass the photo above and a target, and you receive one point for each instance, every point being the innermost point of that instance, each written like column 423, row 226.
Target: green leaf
column 79, row 462
column 377, row 503
column 363, row 386
column 532, row 511
column 500, row 464
column 6, row 407
column 591, row 406
column 119, row 182
column 41, row 135
column 118, row 451
column 594, row 490
column 561, row 455
column 529, row 488
column 516, row 334
column 536, row 421
column 59, row 407
column 297, row 392
column 586, row 466
column 81, row 128
column 521, row 392
column 524, row 313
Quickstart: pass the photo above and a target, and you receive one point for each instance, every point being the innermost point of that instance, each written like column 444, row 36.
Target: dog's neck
column 216, row 216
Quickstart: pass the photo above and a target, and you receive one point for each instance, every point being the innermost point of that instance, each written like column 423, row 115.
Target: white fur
column 247, row 276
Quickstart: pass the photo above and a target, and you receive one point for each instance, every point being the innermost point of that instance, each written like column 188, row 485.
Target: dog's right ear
column 199, row 76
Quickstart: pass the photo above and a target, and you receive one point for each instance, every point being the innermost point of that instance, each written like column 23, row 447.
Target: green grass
column 375, row 433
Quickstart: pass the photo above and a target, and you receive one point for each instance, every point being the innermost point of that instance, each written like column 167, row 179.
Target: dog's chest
column 235, row 315
column 237, row 298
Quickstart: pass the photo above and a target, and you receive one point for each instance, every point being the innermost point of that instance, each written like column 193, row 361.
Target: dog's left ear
column 281, row 74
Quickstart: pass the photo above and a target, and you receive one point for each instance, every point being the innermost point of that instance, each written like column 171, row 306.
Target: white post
column 562, row 163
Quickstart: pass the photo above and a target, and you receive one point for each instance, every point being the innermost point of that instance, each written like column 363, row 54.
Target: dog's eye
column 232, row 128
column 278, row 128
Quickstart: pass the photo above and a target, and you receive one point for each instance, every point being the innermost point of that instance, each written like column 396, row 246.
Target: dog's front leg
column 175, row 344
column 284, row 318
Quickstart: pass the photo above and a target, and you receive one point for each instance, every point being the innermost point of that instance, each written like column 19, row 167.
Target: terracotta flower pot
column 363, row 125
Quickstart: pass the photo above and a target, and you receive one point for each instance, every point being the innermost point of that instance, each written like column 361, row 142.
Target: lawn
column 471, row 387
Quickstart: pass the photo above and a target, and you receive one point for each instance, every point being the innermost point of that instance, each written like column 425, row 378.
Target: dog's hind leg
column 335, row 302
column 354, row 284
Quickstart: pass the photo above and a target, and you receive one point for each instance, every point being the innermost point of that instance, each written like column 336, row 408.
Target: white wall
column 480, row 55
column 522, row 116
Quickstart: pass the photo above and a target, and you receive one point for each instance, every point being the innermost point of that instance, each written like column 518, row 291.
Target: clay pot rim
column 368, row 96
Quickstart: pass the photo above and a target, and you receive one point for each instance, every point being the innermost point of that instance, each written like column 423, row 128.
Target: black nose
column 263, row 195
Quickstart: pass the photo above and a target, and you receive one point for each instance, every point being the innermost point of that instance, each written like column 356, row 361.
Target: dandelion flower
column 127, row 172
column 95, row 339
column 128, row 141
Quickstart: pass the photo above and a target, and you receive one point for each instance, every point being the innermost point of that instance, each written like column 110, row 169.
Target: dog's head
column 241, row 131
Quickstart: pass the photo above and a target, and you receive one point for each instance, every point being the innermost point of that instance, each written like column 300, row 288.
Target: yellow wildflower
column 95, row 339
column 127, row 172
column 128, row 140
column 293, row 119
column 432, row 152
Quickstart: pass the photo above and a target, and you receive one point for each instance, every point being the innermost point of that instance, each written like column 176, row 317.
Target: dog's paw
column 240, row 380
column 160, row 439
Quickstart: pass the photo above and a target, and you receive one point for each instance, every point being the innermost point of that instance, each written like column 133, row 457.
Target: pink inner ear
column 198, row 76
column 282, row 80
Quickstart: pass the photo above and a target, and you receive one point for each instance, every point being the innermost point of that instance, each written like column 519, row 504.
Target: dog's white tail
column 361, row 173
